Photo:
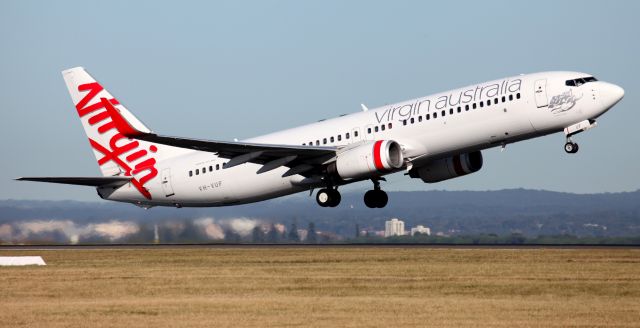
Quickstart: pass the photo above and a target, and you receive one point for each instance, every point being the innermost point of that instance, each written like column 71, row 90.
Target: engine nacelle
column 448, row 168
column 368, row 160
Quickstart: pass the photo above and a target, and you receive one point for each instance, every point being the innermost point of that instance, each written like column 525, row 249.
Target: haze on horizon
column 238, row 69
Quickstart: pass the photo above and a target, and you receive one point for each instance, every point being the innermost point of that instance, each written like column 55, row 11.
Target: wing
column 82, row 181
column 270, row 155
column 304, row 160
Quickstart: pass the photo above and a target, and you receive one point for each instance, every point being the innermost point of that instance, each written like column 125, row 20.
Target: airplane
column 433, row 138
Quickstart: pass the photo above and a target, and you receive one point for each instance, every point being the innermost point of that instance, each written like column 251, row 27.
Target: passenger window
column 510, row 97
column 339, row 137
column 495, row 101
column 324, row 141
column 317, row 142
column 197, row 171
column 412, row 120
column 443, row 113
column 428, row 117
column 504, row 99
column 419, row 118
column 204, row 170
column 488, row 102
column 435, row 115
column 450, row 111
column 459, row 109
column 390, row 126
column 376, row 129
column 190, row 173
column 404, row 122
column 382, row 127
column 466, row 107
column 482, row 104
column 347, row 135
column 368, row 130
column 332, row 139
column 474, row 106
column 211, row 168
column 217, row 167
column 355, row 133
column 518, row 95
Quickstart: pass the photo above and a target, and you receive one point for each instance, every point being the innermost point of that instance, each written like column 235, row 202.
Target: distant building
column 394, row 227
column 303, row 233
column 421, row 230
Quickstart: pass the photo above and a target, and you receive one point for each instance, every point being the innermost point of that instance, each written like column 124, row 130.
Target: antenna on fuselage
column 364, row 108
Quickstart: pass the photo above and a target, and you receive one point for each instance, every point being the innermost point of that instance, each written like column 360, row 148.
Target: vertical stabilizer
column 116, row 154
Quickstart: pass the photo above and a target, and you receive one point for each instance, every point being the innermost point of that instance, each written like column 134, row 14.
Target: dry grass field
column 323, row 287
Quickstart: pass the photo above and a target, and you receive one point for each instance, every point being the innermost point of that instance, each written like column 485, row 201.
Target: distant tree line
column 494, row 239
column 277, row 234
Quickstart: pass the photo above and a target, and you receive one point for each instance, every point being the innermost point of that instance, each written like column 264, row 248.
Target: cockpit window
column 581, row 81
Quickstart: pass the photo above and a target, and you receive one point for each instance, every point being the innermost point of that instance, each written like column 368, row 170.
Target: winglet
column 121, row 123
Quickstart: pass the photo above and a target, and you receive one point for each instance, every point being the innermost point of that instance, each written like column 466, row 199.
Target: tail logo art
column 139, row 162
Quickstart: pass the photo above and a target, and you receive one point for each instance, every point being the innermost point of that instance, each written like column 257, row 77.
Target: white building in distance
column 421, row 230
column 394, row 227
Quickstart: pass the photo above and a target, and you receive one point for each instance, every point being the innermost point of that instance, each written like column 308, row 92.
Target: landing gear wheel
column 369, row 199
column 335, row 197
column 323, row 197
column 328, row 197
column 376, row 198
column 571, row 147
column 383, row 198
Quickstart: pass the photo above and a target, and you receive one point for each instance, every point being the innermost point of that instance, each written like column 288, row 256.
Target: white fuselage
column 429, row 128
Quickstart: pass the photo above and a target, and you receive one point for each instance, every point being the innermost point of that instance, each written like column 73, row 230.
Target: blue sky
column 237, row 69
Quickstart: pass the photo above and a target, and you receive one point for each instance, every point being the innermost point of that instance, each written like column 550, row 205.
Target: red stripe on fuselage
column 377, row 159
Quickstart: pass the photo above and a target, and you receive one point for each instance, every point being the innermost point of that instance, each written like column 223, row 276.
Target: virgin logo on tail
column 139, row 161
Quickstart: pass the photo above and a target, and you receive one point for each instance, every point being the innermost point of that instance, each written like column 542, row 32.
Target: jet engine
column 368, row 160
column 448, row 168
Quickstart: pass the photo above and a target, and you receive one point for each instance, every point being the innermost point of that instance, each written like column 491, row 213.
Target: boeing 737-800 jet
column 434, row 138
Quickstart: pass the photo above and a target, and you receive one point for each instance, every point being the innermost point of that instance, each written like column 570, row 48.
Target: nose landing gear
column 571, row 147
column 376, row 198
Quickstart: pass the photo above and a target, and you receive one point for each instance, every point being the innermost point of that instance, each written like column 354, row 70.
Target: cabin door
column 541, row 93
column 166, row 182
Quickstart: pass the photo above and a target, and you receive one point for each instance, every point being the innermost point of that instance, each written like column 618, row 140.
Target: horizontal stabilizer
column 82, row 181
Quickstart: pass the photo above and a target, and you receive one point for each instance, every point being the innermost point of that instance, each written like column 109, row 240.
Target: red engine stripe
column 457, row 165
column 377, row 160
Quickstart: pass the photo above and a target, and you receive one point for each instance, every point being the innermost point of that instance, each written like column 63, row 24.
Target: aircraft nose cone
column 613, row 93
column 617, row 92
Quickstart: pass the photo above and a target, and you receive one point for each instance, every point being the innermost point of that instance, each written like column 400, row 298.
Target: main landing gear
column 328, row 197
column 376, row 198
